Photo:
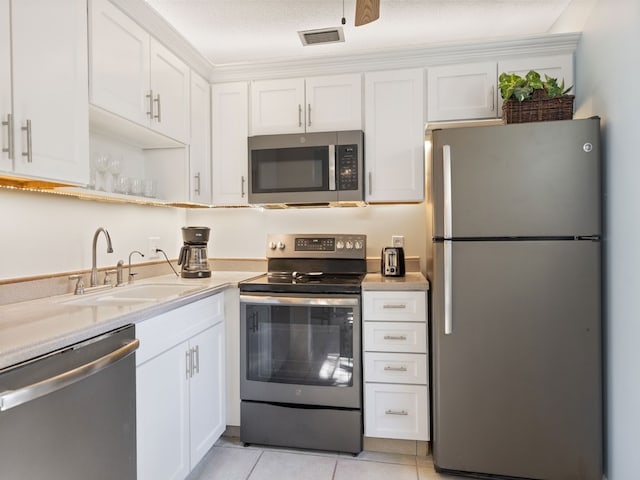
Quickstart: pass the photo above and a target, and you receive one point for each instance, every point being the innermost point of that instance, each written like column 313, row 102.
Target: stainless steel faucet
column 94, row 269
column 131, row 275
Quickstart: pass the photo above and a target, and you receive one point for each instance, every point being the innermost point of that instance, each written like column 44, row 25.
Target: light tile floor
column 229, row 459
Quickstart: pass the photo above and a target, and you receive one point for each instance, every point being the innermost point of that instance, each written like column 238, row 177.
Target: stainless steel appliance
column 193, row 254
column 307, row 168
column 71, row 414
column 392, row 262
column 300, row 352
column 516, row 300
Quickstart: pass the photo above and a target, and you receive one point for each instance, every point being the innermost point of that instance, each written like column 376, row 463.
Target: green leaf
column 533, row 79
column 514, row 86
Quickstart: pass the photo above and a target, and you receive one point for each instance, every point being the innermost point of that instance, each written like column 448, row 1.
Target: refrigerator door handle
column 446, row 187
column 448, row 293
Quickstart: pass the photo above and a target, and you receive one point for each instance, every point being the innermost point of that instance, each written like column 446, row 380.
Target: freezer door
column 533, row 179
column 517, row 378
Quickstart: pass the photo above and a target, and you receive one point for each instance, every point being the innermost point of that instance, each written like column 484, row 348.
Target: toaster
column 392, row 262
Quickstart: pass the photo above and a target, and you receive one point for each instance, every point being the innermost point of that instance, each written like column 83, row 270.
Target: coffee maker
column 193, row 254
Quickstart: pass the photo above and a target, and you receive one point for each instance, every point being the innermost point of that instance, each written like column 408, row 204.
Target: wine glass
column 101, row 163
column 115, row 168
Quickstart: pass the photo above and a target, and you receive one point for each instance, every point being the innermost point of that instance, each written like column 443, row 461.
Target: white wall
column 241, row 232
column 608, row 68
column 43, row 234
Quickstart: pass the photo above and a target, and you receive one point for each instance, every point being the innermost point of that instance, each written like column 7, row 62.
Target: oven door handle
column 299, row 301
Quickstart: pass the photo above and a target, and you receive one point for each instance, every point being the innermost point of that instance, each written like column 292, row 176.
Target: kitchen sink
column 133, row 295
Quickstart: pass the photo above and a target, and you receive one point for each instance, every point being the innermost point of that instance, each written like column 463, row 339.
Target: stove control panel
column 316, row 246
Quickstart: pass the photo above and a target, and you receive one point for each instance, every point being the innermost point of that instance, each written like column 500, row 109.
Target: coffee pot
column 193, row 255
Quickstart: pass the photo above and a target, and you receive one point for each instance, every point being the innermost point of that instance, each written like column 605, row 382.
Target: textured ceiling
column 240, row 31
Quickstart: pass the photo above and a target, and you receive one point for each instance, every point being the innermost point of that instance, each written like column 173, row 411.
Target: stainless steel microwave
column 312, row 168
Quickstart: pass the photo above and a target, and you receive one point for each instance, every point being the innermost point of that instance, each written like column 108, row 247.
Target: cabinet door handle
column 389, row 368
column 370, row 183
column 158, row 115
column 394, row 305
column 188, row 363
column 396, row 412
column 242, row 186
column 309, row 115
column 150, row 97
column 299, row 115
column 196, row 188
column 9, row 147
column 196, row 363
column 29, row 151
column 395, row 337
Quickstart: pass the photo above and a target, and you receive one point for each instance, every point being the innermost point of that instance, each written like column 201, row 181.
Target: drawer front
column 395, row 368
column 394, row 306
column 395, row 337
column 396, row 411
column 166, row 330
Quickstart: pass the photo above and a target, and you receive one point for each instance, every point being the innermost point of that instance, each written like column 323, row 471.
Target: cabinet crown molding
column 401, row 58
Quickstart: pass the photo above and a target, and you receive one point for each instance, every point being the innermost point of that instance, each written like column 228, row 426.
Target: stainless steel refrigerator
column 516, row 300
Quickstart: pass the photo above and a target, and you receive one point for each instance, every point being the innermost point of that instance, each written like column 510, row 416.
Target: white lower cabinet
column 396, row 411
column 396, row 394
column 180, row 388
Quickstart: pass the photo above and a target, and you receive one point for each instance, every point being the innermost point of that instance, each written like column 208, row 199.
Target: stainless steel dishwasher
column 71, row 414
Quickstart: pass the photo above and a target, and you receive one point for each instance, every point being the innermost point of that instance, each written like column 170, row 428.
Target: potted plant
column 531, row 99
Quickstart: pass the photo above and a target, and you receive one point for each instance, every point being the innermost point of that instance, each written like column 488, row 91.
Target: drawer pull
column 396, row 412
column 389, row 368
column 394, row 305
column 395, row 337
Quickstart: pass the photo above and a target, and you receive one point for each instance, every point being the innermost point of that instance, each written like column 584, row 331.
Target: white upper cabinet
column 170, row 85
column 6, row 162
column 135, row 77
column 277, row 106
column 315, row 104
column 119, row 75
column 394, row 136
column 49, row 129
column 200, row 142
column 462, row 92
column 556, row 66
column 334, row 103
column 229, row 131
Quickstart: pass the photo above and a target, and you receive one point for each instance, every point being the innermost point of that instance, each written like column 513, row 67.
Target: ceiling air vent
column 323, row 35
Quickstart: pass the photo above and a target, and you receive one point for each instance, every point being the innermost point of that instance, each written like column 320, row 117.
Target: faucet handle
column 107, row 278
column 79, row 290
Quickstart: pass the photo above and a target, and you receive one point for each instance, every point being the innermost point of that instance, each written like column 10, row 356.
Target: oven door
column 301, row 349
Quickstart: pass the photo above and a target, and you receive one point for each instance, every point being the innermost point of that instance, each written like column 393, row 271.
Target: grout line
column 335, row 469
column 255, row 464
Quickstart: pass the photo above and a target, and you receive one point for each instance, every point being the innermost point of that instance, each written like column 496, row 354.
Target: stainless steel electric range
column 300, row 353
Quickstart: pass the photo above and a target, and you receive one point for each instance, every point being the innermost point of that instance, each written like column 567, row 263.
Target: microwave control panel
column 347, row 167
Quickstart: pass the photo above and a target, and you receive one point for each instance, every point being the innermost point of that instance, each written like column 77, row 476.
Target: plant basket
column 538, row 108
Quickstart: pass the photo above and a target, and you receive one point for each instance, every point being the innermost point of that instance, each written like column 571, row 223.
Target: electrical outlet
column 397, row 240
column 154, row 242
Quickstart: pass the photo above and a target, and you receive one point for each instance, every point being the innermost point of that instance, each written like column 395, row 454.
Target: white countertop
column 411, row 281
column 29, row 329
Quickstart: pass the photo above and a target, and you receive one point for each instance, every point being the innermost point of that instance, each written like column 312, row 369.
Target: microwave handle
column 332, row 167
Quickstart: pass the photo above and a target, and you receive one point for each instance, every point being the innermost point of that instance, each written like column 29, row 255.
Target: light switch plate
column 397, row 240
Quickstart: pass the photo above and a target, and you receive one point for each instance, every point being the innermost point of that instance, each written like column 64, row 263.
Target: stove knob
column 358, row 245
column 339, row 245
column 272, row 245
column 349, row 244
column 281, row 245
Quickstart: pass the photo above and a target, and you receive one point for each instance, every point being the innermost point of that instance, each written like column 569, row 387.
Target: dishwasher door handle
column 13, row 398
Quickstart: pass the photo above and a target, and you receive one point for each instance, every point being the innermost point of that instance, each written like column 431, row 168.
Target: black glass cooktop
column 304, row 282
